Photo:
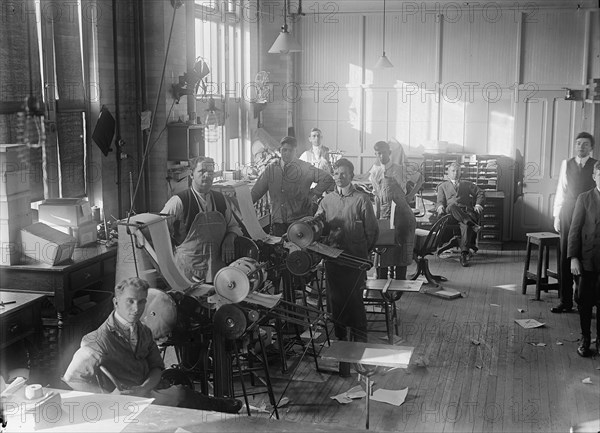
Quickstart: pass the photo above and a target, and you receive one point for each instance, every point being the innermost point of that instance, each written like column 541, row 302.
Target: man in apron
column 204, row 228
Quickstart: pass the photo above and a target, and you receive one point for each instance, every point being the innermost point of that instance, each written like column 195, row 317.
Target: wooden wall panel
column 553, row 44
column 410, row 45
column 324, row 59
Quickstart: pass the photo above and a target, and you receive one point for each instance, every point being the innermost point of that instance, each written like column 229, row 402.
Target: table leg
column 368, row 383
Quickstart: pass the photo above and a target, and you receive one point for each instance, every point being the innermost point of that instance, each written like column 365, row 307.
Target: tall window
column 221, row 33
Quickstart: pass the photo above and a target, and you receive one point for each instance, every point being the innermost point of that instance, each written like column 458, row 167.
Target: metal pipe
column 117, row 109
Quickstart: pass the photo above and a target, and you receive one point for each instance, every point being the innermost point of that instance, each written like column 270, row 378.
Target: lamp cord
column 384, row 27
column 148, row 147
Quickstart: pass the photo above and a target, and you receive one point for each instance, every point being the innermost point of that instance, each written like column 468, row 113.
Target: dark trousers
column 588, row 297
column 345, row 297
column 466, row 219
column 566, row 278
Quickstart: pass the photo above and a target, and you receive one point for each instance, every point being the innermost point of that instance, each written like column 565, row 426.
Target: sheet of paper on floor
column 529, row 323
column 395, row 397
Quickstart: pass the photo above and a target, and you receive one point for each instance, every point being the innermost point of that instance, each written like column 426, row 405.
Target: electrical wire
column 148, row 146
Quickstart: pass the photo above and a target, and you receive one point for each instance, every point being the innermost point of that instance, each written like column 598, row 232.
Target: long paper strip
column 159, row 232
column 249, row 217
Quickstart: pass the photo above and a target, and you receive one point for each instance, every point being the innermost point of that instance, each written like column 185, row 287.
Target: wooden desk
column 91, row 267
column 153, row 418
column 21, row 319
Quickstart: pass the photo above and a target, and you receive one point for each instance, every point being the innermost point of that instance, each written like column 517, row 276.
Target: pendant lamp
column 383, row 61
column 285, row 42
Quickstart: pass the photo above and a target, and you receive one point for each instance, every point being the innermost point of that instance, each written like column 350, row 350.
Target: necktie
column 133, row 337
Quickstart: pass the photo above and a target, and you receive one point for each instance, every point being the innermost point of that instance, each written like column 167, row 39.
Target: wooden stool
column 384, row 294
column 544, row 240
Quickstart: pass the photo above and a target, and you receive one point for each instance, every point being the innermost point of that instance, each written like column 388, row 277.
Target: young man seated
column 456, row 197
column 124, row 347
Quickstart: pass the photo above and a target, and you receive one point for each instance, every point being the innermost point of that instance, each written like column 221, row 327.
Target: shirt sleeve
column 81, row 372
column 173, row 206
column 323, row 180
column 575, row 235
column 232, row 224
column 154, row 358
column 441, row 196
column 371, row 224
column 561, row 189
column 261, row 186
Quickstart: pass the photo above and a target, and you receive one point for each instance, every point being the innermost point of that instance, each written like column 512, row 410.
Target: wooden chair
column 428, row 242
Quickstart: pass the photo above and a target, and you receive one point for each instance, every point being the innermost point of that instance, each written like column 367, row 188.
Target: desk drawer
column 16, row 326
column 85, row 276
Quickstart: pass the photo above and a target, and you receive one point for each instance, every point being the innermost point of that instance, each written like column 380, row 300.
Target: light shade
column 383, row 62
column 285, row 43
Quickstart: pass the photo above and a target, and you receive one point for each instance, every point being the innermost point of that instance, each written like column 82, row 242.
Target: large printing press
column 210, row 323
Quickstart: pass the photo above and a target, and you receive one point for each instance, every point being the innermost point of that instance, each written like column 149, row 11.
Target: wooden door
column 546, row 125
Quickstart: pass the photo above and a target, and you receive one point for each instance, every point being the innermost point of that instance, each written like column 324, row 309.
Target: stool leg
column 368, row 386
column 546, row 265
column 539, row 272
column 388, row 321
column 527, row 260
column 558, row 270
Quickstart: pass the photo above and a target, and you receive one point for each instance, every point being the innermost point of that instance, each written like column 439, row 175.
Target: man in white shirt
column 317, row 155
column 575, row 177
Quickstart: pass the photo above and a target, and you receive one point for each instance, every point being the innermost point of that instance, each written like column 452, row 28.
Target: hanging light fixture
column 285, row 42
column 383, row 61
column 213, row 119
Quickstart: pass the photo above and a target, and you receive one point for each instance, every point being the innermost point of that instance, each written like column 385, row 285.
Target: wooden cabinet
column 184, row 141
column 482, row 170
column 492, row 220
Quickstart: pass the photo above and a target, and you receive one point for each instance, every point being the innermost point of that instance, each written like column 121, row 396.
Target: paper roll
column 34, row 391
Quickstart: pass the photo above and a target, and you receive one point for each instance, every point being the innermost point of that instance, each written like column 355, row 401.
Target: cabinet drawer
column 490, row 236
column 491, row 216
column 85, row 276
column 16, row 326
column 491, row 225
column 493, row 207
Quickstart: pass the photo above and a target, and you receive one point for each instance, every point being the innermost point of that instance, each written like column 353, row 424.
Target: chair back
column 434, row 239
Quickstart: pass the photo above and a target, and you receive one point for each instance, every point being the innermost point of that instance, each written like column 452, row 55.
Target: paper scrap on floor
column 395, row 397
column 529, row 323
column 352, row 393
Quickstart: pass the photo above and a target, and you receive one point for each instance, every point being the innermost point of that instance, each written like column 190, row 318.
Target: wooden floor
column 473, row 369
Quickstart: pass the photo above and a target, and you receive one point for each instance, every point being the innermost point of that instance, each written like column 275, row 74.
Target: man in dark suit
column 584, row 254
column 456, row 197
column 575, row 177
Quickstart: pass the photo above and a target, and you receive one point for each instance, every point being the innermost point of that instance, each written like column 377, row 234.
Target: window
column 221, row 33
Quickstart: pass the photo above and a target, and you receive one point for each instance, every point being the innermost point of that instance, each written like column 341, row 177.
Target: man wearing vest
column 574, row 178
column 204, row 228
